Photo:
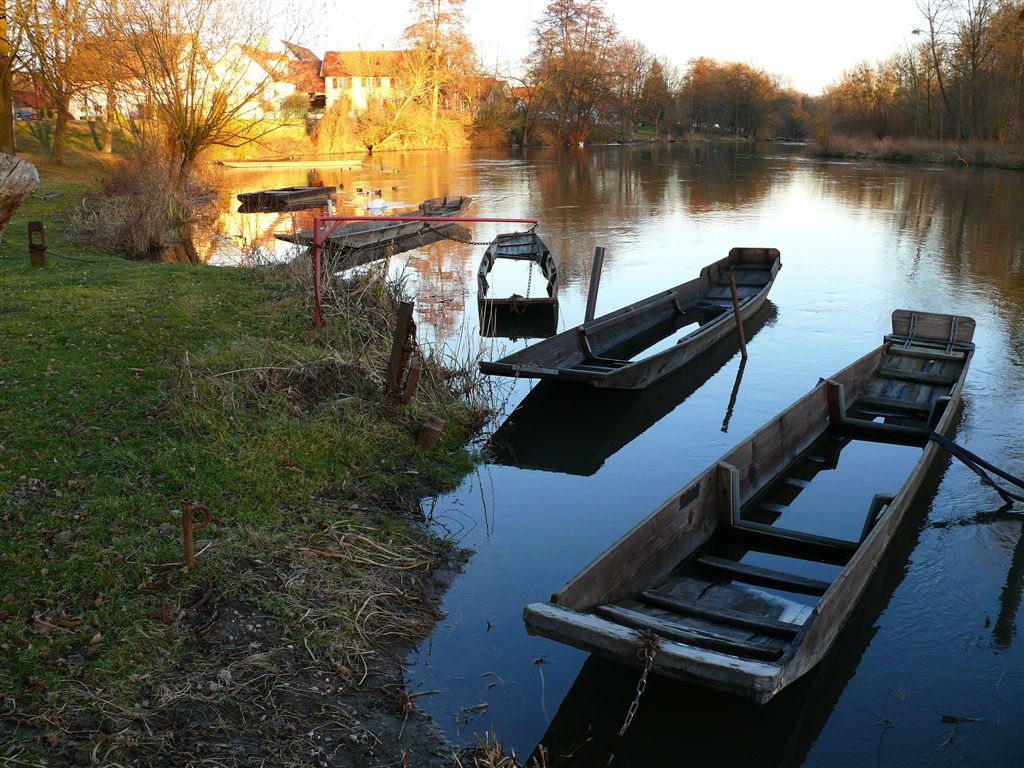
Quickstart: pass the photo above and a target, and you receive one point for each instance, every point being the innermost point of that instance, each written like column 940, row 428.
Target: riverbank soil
column 133, row 394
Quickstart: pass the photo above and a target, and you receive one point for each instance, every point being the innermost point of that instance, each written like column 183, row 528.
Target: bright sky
column 808, row 42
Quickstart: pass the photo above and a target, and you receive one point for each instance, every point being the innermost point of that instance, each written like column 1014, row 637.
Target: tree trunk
column 60, row 131
column 108, row 120
column 6, row 100
column 20, row 178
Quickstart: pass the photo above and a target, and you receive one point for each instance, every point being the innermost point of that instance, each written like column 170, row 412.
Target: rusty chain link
column 647, row 652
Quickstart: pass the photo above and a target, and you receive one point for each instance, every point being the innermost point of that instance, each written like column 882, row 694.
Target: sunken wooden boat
column 360, row 242
column 604, row 351
column 744, row 579
column 285, row 199
column 518, row 316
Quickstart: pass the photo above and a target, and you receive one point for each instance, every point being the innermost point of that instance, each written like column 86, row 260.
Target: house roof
column 361, row 63
column 304, row 75
column 301, row 53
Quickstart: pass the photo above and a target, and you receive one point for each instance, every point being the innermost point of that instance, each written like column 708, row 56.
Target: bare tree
column 54, row 31
column 440, row 43
column 189, row 58
column 572, row 53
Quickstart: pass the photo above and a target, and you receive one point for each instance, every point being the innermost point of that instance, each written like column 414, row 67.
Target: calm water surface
column 935, row 640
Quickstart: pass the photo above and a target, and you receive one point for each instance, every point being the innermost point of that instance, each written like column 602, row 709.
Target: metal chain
column 646, row 652
column 529, row 231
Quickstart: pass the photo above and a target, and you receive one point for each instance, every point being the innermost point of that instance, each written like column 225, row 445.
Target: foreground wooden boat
column 518, row 316
column 601, row 351
column 284, row 199
column 360, row 242
column 746, row 576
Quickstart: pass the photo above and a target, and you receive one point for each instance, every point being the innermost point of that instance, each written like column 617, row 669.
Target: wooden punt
column 601, row 351
column 284, row 199
column 360, row 242
column 288, row 162
column 733, row 577
column 574, row 428
column 518, row 316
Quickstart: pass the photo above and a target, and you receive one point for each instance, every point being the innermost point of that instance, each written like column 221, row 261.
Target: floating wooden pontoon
column 518, row 316
column 601, row 351
column 746, row 576
column 285, row 199
column 360, row 242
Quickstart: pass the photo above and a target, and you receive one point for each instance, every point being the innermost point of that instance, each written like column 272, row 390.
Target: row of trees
column 582, row 74
column 963, row 80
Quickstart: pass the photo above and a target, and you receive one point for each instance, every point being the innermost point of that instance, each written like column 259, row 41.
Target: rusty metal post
column 36, row 244
column 595, row 283
column 318, row 317
column 189, row 526
column 401, row 351
column 739, row 317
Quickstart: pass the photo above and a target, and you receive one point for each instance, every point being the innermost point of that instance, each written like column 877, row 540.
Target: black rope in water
column 975, row 463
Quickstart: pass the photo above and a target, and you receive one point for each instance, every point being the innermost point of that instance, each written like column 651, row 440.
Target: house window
column 340, row 82
column 372, row 82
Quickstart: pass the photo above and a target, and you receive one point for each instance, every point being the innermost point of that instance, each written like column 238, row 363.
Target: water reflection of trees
column 971, row 220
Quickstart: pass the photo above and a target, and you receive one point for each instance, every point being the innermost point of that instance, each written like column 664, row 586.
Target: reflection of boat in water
column 746, row 576
column 675, row 717
column 360, row 242
column 576, row 428
column 600, row 352
column 518, row 316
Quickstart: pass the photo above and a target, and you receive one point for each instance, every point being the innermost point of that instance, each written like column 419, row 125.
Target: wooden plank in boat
column 925, row 354
column 820, row 550
column 667, row 629
column 738, row 598
column 767, row 577
column 890, row 403
column 724, row 615
column 918, row 377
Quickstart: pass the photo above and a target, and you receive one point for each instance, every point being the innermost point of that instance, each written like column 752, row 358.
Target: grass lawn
column 129, row 389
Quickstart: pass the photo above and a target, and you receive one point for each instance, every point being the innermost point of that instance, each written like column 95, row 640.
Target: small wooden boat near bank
column 285, row 199
column 603, row 352
column 518, row 316
column 272, row 164
column 743, row 580
column 360, row 242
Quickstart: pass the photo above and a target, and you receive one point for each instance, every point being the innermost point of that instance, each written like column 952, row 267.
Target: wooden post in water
column 739, row 317
column 595, row 283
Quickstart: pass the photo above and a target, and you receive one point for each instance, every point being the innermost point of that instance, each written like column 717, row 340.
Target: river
column 930, row 671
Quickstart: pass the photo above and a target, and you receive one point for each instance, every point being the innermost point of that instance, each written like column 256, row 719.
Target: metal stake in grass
column 190, row 526
column 36, row 244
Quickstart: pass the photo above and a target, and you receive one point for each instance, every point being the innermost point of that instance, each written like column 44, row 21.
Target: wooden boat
column 257, row 164
column 574, row 429
column 285, row 199
column 360, row 242
column 744, row 578
column 518, row 316
column 601, row 351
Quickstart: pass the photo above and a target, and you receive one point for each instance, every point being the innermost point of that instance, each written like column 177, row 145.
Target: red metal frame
column 320, row 237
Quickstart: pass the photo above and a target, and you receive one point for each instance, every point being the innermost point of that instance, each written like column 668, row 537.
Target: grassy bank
column 129, row 391
column 959, row 155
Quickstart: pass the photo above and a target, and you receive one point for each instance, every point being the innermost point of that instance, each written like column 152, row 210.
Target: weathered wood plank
column 766, row 577
column 723, row 615
column 663, row 628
